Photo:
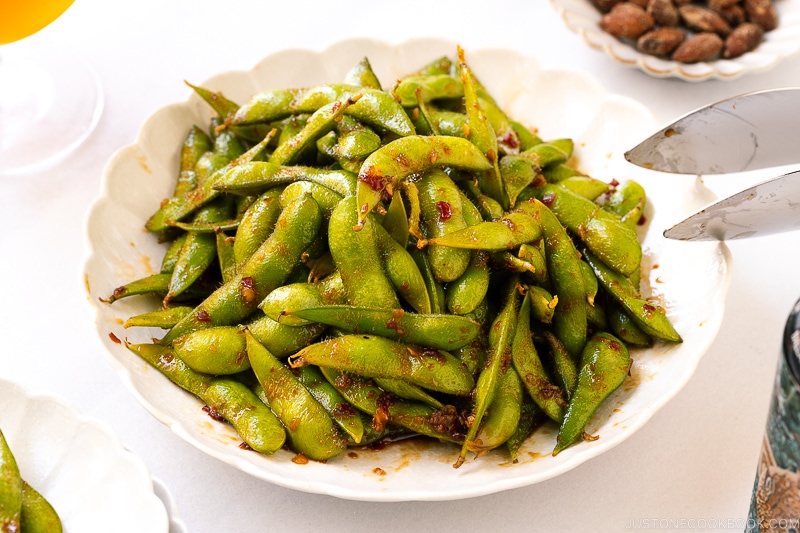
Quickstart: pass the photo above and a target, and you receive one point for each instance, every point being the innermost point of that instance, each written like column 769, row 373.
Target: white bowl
column 79, row 465
column 689, row 280
column 583, row 18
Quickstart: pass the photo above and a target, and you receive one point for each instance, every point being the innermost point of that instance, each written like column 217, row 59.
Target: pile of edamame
column 22, row 508
column 348, row 263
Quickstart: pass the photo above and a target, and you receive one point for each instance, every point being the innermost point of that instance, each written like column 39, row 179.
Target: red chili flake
column 642, row 221
column 247, row 289
column 391, row 323
column 114, row 338
column 120, row 291
column 373, row 179
column 445, row 210
column 245, row 446
column 649, row 309
column 613, row 183
column 213, row 413
column 510, row 139
column 202, row 316
column 343, row 409
column 548, row 199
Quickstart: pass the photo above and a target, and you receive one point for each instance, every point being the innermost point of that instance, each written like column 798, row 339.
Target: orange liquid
column 21, row 18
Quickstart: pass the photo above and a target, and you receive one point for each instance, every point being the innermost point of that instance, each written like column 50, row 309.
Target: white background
column 692, row 464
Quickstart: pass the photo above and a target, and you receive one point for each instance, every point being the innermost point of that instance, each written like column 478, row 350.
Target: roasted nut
column 721, row 5
column 626, row 21
column 605, row 5
column 660, row 42
column 734, row 15
column 762, row 12
column 700, row 47
column 700, row 19
column 664, row 12
column 742, row 39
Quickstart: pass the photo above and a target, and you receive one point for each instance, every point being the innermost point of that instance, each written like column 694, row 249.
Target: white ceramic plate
column 689, row 280
column 583, row 18
column 79, row 465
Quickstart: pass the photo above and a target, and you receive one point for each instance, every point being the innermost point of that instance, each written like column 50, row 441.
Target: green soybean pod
column 408, row 391
column 357, row 258
column 386, row 409
column 440, row 331
column 196, row 144
column 481, row 132
column 411, row 155
column 402, row 271
column 602, row 231
column 319, row 123
column 502, row 416
column 37, row 514
column 284, row 303
column 623, row 326
column 530, row 416
column 378, row 357
column 348, row 419
column 604, row 366
column 549, row 397
column 517, row 174
column 435, row 290
column 501, row 335
column 441, row 214
column 213, row 351
column 255, row 177
column 265, row 107
column 648, row 316
column 266, row 270
column 160, row 318
column 469, row 290
column 310, row 429
column 10, row 488
column 429, row 87
column 566, row 278
column 326, row 198
column 227, row 399
column 257, row 224
column 362, row 75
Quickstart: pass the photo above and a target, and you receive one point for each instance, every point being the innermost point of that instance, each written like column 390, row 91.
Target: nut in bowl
column 689, row 39
column 412, row 468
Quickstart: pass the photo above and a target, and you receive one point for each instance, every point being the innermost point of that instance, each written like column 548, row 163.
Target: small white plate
column 79, row 465
column 690, row 280
column 583, row 18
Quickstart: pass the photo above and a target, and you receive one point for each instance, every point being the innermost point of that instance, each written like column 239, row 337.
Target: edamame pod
column 441, row 331
column 225, row 398
column 386, row 409
column 266, row 270
column 502, row 416
column 501, row 335
column 357, row 259
column 614, row 242
column 10, row 489
column 213, row 351
column 441, row 214
column 378, row 357
column 256, row 225
column 255, row 177
column 414, row 154
column 604, row 366
column 37, row 514
column 549, row 397
column 649, row 316
column 310, row 429
column 348, row 419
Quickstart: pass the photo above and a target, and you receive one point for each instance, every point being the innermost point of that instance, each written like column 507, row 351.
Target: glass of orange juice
column 50, row 100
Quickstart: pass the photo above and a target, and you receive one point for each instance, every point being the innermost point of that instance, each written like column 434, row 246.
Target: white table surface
column 696, row 458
